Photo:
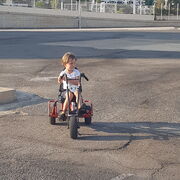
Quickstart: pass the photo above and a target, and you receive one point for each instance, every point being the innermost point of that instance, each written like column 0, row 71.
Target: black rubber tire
column 73, row 126
column 87, row 120
column 52, row 120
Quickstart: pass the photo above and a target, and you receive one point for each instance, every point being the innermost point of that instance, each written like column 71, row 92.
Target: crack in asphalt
column 41, row 69
column 163, row 165
column 145, row 102
column 157, row 170
column 127, row 144
column 110, row 149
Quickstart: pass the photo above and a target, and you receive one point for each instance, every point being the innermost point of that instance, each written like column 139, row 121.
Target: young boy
column 69, row 63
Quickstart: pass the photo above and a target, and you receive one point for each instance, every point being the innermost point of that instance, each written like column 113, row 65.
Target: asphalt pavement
column 135, row 89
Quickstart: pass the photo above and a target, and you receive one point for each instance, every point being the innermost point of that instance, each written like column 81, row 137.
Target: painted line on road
column 43, row 78
column 122, row 176
column 93, row 29
column 5, row 113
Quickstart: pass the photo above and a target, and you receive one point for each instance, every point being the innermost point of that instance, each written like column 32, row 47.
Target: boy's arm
column 61, row 77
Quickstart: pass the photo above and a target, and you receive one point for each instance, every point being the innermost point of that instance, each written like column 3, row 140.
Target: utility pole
column 71, row 5
column 34, row 4
column 134, row 6
column 79, row 14
column 177, row 11
column 165, row 6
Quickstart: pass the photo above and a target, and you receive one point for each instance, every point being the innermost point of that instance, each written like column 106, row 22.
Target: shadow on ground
column 133, row 131
column 38, row 45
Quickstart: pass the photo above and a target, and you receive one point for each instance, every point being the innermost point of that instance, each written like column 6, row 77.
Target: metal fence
column 109, row 8
column 167, row 12
column 160, row 12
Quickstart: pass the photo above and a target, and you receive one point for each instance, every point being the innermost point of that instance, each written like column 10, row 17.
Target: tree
column 158, row 3
column 149, row 2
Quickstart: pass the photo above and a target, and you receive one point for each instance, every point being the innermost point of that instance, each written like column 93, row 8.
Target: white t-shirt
column 72, row 75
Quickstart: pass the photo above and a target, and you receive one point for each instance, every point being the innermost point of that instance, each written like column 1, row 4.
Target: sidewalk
column 7, row 95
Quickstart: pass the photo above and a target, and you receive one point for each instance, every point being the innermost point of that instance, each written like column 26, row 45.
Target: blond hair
column 66, row 58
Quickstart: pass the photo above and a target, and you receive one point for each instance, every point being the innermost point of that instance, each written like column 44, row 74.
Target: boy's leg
column 80, row 99
column 65, row 105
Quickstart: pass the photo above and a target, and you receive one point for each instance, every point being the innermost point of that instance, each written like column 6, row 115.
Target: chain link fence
column 160, row 12
column 167, row 12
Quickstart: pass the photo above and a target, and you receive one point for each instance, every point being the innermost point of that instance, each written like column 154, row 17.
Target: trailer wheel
column 52, row 120
column 87, row 120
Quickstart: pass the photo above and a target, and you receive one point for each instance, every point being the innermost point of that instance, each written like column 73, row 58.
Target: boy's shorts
column 73, row 89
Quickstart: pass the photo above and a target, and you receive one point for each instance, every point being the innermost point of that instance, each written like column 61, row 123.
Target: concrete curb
column 22, row 99
column 7, row 95
column 93, row 29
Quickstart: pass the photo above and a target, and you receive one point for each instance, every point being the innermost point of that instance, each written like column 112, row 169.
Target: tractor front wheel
column 73, row 126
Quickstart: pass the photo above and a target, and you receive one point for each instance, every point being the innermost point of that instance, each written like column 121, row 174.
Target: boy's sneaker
column 62, row 117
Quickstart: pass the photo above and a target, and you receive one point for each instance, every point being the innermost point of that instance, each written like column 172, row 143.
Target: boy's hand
column 61, row 78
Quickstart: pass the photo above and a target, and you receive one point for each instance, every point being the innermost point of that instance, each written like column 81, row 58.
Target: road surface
column 135, row 89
